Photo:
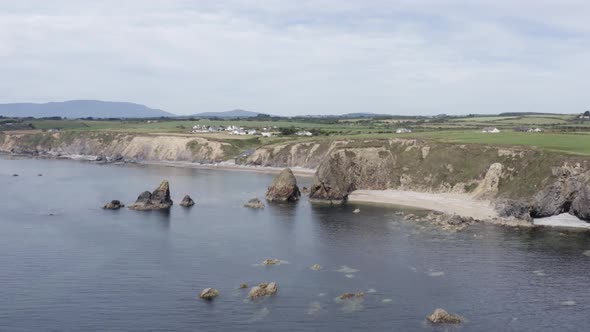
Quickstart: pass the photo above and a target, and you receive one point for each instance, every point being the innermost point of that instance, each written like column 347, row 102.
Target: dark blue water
column 68, row 265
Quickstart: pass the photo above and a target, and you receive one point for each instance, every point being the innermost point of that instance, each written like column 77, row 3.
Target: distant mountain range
column 82, row 109
column 226, row 114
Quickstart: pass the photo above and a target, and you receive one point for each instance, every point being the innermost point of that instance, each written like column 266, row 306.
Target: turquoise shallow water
column 68, row 265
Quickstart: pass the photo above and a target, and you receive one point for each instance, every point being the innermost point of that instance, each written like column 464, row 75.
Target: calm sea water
column 68, row 265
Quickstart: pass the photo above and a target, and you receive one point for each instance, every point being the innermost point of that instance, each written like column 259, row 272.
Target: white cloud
column 300, row 57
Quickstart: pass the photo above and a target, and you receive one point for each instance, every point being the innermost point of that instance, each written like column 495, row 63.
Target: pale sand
column 562, row 220
column 461, row 204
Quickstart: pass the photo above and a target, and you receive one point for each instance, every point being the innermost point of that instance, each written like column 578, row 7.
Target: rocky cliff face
column 115, row 146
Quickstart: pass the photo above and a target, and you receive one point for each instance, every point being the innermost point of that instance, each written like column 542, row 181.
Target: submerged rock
column 14, row 174
column 113, row 205
column 263, row 289
column 283, row 188
column 440, row 316
column 347, row 296
column 187, row 201
column 243, row 285
column 254, row 203
column 156, row 200
column 209, row 294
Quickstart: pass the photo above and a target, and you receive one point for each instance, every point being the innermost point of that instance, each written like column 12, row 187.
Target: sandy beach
column 463, row 205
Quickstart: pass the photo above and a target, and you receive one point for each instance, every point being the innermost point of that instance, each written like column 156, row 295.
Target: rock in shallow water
column 113, row 205
column 316, row 267
column 440, row 316
column 187, row 201
column 209, row 294
column 263, row 289
column 157, row 200
column 254, row 203
column 283, row 188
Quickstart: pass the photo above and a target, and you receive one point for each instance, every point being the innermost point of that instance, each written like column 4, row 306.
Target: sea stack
column 187, row 201
column 159, row 199
column 283, row 188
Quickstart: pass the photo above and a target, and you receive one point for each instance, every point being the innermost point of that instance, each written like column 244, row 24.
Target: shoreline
column 224, row 165
column 460, row 204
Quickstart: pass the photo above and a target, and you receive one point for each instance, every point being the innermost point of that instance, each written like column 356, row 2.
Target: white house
column 403, row 131
column 264, row 134
column 303, row 133
column 490, row 130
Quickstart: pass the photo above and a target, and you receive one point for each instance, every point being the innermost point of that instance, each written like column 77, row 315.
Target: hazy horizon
column 300, row 58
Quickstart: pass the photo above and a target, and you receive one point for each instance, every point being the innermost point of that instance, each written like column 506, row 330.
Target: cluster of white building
column 231, row 129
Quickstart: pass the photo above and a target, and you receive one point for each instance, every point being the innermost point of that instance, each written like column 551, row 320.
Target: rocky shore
column 501, row 182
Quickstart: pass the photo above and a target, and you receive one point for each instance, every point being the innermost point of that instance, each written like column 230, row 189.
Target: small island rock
column 156, row 200
column 209, row 294
column 440, row 316
column 243, row 285
column 347, row 296
column 316, row 267
column 264, row 289
column 271, row 261
column 187, row 201
column 113, row 205
column 283, row 188
column 254, row 203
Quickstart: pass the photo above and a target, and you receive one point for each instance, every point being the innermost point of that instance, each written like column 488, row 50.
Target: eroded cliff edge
column 117, row 146
column 523, row 181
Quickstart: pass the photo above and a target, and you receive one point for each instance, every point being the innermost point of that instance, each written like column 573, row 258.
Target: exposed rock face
column 569, row 193
column 113, row 205
column 581, row 204
column 514, row 208
column 331, row 183
column 488, row 188
column 263, row 289
column 187, row 201
column 209, row 294
column 254, row 203
column 440, row 316
column 283, row 188
column 157, row 200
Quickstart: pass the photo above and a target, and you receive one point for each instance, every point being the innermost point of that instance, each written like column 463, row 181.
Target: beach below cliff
column 460, row 204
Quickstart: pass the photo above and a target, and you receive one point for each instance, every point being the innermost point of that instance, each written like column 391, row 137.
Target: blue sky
column 301, row 57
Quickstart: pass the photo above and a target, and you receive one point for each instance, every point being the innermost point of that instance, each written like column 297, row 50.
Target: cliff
column 525, row 181
column 116, row 146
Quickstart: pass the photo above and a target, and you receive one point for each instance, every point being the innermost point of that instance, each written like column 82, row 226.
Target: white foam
column 346, row 269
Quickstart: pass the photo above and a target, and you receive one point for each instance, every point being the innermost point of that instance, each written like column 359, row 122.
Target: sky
column 286, row 57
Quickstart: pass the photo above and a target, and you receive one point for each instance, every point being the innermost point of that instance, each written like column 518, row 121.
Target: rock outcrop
column 209, row 294
column 159, row 199
column 569, row 193
column 283, row 188
column 518, row 209
column 254, row 203
column 113, row 205
column 187, row 201
column 263, row 289
column 440, row 316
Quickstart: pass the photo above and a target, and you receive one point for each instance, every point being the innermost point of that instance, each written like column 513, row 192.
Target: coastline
column 227, row 166
column 460, row 204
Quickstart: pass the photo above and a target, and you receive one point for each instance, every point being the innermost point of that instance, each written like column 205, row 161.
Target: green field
column 563, row 133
